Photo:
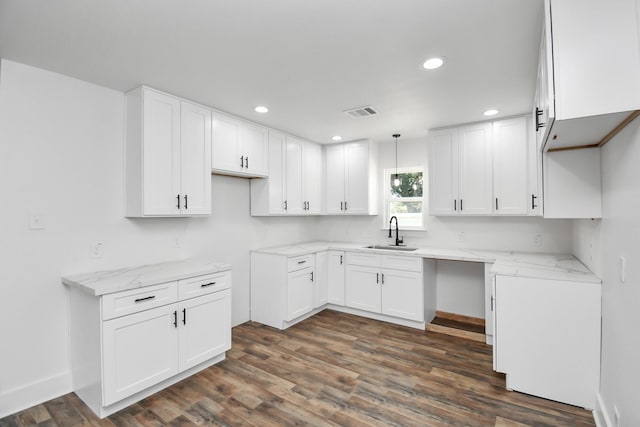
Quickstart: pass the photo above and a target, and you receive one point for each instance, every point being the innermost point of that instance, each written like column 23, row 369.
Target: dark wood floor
column 332, row 369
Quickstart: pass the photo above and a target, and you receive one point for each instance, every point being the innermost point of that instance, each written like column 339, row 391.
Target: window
column 404, row 197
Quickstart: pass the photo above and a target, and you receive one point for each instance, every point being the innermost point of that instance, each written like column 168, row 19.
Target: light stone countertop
column 122, row 279
column 520, row 264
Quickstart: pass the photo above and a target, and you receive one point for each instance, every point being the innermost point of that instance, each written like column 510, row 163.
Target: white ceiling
column 307, row 60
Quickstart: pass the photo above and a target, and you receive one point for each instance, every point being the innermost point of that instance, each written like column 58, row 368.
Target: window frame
column 386, row 196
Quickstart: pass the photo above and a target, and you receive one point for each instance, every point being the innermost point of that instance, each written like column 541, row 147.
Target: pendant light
column 396, row 177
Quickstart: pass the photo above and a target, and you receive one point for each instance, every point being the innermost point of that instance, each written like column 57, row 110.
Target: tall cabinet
column 167, row 155
column 351, row 181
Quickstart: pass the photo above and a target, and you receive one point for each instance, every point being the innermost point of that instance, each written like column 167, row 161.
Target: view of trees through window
column 405, row 199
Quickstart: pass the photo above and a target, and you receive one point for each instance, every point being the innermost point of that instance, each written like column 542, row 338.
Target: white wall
column 61, row 156
column 617, row 235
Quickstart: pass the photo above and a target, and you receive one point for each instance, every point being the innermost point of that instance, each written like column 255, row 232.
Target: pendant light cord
column 396, row 136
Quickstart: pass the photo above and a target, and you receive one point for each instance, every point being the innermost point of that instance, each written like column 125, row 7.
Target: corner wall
column 599, row 245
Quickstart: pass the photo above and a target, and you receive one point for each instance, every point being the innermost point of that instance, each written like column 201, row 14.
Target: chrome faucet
column 399, row 240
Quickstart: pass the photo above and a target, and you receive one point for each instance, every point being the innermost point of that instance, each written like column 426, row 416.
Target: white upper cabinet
column 474, row 169
column 590, row 70
column 168, row 154
column 510, row 144
column 239, row 148
column 294, row 185
column 487, row 168
column 350, row 178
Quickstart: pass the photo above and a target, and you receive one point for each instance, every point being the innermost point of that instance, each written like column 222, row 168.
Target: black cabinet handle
column 460, row 204
column 383, row 278
column 178, row 205
column 341, row 204
column 186, row 203
column 302, row 262
column 145, row 298
column 377, row 277
column 312, row 276
column 184, row 316
column 340, row 259
column 496, row 203
column 241, row 161
column 207, row 284
column 533, row 201
column 246, row 162
column 175, row 318
column 285, row 205
column 345, row 205
column 455, row 204
column 539, row 124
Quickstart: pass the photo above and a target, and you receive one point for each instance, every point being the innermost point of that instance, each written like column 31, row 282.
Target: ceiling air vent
column 361, row 111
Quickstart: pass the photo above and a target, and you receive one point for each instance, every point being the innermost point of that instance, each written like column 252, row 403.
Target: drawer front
column 140, row 299
column 203, row 285
column 366, row 260
column 406, row 263
column 299, row 262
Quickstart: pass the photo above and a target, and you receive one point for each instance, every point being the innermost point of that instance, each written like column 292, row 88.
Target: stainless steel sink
column 392, row 248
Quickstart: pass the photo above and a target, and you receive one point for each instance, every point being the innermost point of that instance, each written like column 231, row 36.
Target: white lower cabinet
column 129, row 344
column 386, row 284
column 335, row 277
column 321, row 279
column 547, row 338
column 284, row 289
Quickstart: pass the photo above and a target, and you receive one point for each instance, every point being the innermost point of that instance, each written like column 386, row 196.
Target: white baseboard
column 600, row 414
column 23, row 397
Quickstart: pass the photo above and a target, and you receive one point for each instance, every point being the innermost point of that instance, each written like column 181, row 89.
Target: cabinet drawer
column 367, row 260
column 135, row 300
column 202, row 285
column 296, row 263
column 405, row 263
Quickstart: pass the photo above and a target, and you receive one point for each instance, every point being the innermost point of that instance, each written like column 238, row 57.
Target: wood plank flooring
column 333, row 369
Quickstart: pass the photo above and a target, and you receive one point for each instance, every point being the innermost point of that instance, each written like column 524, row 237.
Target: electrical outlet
column 537, row 240
column 36, row 221
column 97, row 250
column 461, row 236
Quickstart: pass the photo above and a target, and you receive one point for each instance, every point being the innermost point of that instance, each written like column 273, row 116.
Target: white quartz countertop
column 122, row 279
column 519, row 264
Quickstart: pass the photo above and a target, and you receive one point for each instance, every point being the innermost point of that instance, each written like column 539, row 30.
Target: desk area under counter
column 137, row 330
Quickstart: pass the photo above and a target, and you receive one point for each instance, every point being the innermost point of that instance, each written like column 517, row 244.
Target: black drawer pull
column 145, row 298
column 302, row 262
column 207, row 284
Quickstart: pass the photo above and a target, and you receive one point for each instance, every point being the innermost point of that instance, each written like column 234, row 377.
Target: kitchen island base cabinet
column 125, row 348
column 547, row 338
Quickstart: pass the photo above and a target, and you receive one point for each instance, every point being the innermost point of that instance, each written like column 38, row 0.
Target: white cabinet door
column 195, row 144
column 356, row 155
column 510, row 143
column 548, row 338
column 294, row 168
column 335, row 277
column 312, row 176
column 300, row 294
column 443, row 172
column 402, row 294
column 225, row 149
column 362, row 288
column 205, row 328
column 161, row 153
column 335, row 178
column 254, row 146
column 475, row 185
column 320, row 279
column 140, row 350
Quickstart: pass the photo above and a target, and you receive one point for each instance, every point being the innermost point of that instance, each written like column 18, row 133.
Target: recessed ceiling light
column 261, row 109
column 491, row 112
column 433, row 63
column 337, row 138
